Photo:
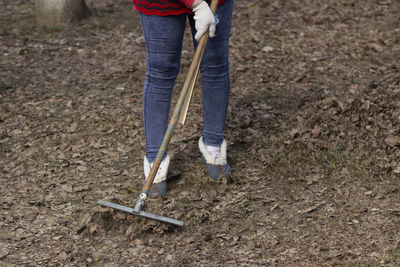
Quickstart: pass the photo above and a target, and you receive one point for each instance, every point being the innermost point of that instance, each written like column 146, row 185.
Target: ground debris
column 312, row 132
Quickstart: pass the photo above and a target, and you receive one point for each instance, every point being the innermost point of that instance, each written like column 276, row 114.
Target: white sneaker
column 159, row 186
column 216, row 160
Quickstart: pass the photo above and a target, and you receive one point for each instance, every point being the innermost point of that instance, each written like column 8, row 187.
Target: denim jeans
column 163, row 37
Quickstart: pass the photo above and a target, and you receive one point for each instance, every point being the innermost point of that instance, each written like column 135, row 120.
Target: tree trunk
column 60, row 12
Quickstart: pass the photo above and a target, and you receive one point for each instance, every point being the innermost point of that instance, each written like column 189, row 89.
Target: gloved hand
column 204, row 20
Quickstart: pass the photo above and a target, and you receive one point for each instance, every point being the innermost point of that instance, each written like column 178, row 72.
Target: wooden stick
column 201, row 46
column 182, row 117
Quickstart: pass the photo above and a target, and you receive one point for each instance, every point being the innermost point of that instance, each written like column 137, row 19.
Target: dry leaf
column 86, row 219
column 73, row 127
column 316, row 131
column 397, row 169
column 137, row 242
column 81, row 188
column 308, row 210
column 392, row 140
column 378, row 48
column 63, row 256
column 268, row 49
column 81, row 168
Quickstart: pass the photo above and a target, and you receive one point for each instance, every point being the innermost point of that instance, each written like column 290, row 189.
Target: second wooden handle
column 201, row 46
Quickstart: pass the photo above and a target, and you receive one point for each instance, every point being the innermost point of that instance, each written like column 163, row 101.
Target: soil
column 313, row 138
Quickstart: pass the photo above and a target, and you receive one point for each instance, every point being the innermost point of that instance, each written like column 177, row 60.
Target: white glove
column 204, row 20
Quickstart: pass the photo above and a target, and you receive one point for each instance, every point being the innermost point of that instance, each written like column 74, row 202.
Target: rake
column 179, row 112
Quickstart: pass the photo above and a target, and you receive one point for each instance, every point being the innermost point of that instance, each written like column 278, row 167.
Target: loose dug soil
column 313, row 133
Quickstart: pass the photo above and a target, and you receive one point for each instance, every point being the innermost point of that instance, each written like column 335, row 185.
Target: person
column 163, row 23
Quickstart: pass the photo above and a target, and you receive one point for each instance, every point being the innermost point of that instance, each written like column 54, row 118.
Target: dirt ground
column 313, row 137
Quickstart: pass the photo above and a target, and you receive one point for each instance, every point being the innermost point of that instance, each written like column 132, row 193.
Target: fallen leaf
column 81, row 188
column 378, row 48
column 397, row 169
column 73, row 127
column 86, row 219
column 313, row 180
column 268, row 49
column 93, row 228
column 63, row 256
column 161, row 251
column 81, row 168
column 138, row 242
column 316, row 131
column 234, row 241
column 130, row 230
column 392, row 140
column 274, row 207
column 308, row 210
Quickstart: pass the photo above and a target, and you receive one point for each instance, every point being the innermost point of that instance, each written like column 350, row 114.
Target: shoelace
column 215, row 154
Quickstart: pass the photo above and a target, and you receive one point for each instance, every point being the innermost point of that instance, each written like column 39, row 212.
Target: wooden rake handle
column 197, row 62
column 194, row 68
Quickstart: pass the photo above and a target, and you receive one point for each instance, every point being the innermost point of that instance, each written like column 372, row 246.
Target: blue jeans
column 164, row 36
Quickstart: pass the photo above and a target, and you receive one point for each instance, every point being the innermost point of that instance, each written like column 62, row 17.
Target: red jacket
column 165, row 7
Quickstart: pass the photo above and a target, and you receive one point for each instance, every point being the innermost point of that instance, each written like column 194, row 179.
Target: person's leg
column 215, row 89
column 215, row 77
column 163, row 37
